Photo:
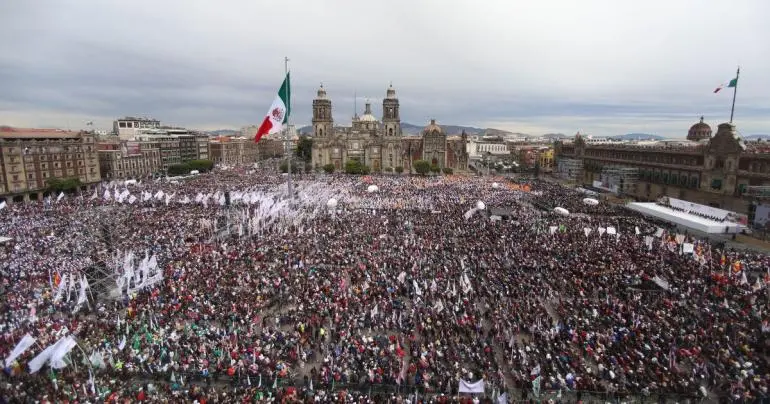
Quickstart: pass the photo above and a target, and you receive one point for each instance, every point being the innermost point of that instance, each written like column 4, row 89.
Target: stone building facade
column 722, row 171
column 380, row 144
column 129, row 160
column 31, row 157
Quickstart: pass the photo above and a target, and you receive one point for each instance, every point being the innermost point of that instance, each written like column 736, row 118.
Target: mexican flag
column 731, row 83
column 278, row 114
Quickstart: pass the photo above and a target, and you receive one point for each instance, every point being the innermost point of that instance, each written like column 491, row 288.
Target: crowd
column 381, row 296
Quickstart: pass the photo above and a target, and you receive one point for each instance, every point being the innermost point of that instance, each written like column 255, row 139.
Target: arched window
column 320, row 132
column 390, row 132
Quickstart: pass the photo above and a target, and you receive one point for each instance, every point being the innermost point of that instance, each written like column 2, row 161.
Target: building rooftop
column 8, row 132
column 133, row 118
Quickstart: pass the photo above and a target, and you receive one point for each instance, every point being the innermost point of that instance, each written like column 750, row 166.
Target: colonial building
column 177, row 145
column 29, row 158
column 233, row 150
column 380, row 144
column 721, row 171
column 438, row 149
column 129, row 159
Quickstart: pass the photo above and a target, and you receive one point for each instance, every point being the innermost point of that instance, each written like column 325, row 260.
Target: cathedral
column 380, row 144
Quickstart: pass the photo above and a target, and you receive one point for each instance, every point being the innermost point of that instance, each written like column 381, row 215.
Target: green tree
column 448, row 171
column 422, row 167
column 200, row 165
column 399, row 169
column 435, row 169
column 356, row 167
column 304, row 150
column 536, row 170
column 63, row 184
column 179, row 169
column 328, row 168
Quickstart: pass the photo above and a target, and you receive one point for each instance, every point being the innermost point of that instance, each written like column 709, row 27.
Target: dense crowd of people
column 391, row 295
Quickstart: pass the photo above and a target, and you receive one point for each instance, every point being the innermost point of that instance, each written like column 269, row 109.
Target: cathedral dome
column 433, row 128
column 368, row 116
column 699, row 131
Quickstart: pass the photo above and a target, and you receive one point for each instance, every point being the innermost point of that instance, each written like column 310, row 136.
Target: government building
column 722, row 170
column 380, row 144
column 30, row 158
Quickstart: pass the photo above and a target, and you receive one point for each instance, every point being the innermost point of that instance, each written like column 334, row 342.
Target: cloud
column 601, row 66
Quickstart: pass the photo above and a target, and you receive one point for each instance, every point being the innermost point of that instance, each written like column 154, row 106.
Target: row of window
column 682, row 180
column 46, row 174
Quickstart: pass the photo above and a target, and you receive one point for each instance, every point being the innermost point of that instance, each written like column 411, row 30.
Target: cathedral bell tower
column 322, row 115
column 391, row 119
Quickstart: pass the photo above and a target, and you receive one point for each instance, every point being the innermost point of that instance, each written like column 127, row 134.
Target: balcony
column 753, row 174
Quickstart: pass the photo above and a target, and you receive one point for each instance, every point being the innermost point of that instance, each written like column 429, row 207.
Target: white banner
column 22, row 346
column 467, row 387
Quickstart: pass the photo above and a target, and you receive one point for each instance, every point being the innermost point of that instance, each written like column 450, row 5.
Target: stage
column 685, row 219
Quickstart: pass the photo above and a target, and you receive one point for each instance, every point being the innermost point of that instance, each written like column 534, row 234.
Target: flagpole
column 288, row 140
column 735, row 91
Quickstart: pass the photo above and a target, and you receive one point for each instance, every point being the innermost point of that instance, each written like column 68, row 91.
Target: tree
column 399, row 169
column 448, row 171
column 536, row 171
column 422, row 167
column 200, row 165
column 305, row 148
column 328, row 168
column 63, row 184
column 356, row 167
column 388, row 169
column 179, row 169
column 435, row 169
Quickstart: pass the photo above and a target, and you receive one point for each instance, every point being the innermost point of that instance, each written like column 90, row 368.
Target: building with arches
column 722, row 171
column 380, row 143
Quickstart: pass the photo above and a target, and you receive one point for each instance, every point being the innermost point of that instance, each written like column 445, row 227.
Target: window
column 31, row 176
column 15, row 177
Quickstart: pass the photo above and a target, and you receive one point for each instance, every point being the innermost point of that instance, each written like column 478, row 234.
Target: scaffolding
column 570, row 169
column 108, row 260
column 619, row 179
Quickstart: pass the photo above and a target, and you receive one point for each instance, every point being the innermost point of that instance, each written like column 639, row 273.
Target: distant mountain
column 223, row 132
column 757, row 137
column 638, row 136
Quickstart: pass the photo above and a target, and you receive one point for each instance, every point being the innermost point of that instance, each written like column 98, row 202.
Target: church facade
column 380, row 144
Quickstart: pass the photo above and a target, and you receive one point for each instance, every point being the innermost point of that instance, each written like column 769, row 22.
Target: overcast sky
column 602, row 67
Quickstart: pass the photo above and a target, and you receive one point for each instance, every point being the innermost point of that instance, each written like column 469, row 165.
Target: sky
column 601, row 67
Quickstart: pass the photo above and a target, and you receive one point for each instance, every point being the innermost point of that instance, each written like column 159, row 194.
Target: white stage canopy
column 685, row 219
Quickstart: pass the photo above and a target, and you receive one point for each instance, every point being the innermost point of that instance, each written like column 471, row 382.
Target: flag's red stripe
column 263, row 129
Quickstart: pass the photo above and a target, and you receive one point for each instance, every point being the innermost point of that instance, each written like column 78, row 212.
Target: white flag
column 22, row 346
